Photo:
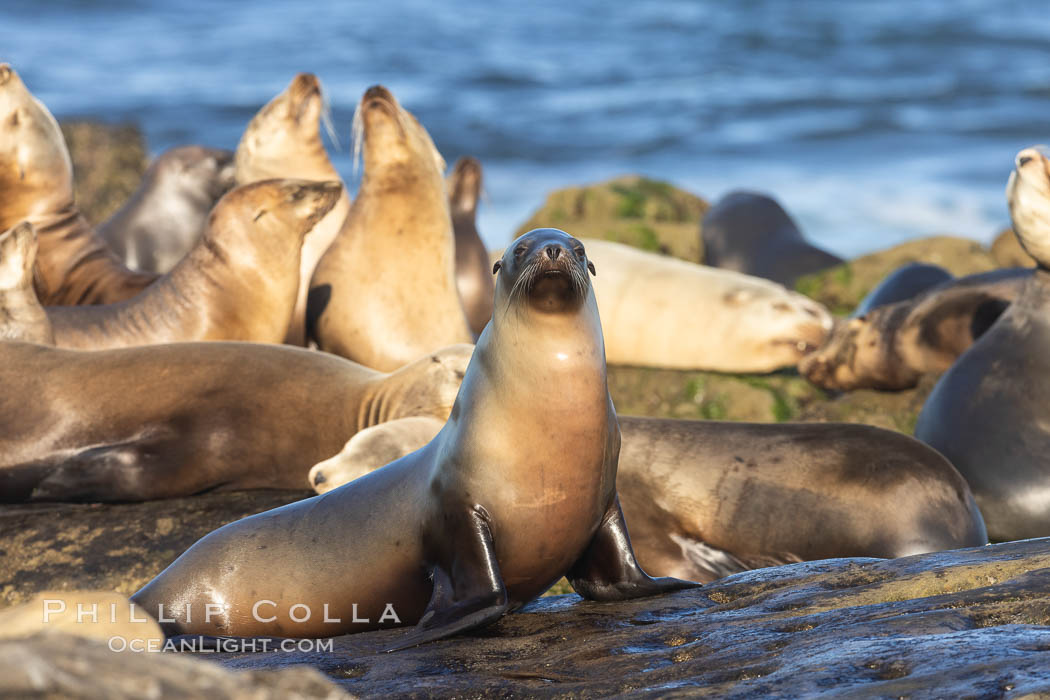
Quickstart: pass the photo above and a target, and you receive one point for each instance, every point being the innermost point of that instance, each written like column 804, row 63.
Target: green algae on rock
column 842, row 287
column 648, row 214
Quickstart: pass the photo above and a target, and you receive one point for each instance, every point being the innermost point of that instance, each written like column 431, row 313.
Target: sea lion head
column 464, row 186
column 295, row 205
column 1028, row 194
column 545, row 269
column 283, row 139
column 395, row 144
column 196, row 173
column 791, row 324
column 21, row 315
column 849, row 353
column 36, row 174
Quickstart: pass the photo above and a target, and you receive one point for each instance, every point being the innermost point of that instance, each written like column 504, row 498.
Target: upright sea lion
column 166, row 215
column 284, row 140
column 662, row 312
column 21, row 316
column 238, row 283
column 385, row 291
column 987, row 413
column 518, row 489
column 892, row 346
column 751, row 233
column 472, row 258
column 906, row 282
column 173, row 420
column 36, row 177
column 704, row 499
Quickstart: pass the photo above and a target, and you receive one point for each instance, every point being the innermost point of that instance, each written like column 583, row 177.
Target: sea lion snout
column 378, row 93
column 5, row 73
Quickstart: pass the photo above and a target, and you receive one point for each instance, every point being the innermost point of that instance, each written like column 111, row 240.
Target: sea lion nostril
column 320, row 478
column 553, row 251
column 1023, row 160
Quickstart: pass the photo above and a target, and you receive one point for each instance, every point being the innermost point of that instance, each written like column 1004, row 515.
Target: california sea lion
column 518, row 489
column 987, row 413
column 661, row 312
column 36, row 178
column 472, row 258
column 906, row 282
column 238, row 283
column 704, row 499
column 385, row 292
column 751, row 233
column 284, row 140
column 165, row 216
column 21, row 316
column 174, row 420
column 892, row 346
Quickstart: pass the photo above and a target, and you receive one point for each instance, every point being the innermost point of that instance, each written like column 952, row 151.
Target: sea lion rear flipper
column 468, row 589
column 608, row 570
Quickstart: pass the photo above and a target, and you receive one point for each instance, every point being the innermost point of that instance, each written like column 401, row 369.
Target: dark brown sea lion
column 704, row 499
column 518, row 489
column 892, row 346
column 238, row 283
column 472, row 258
column 751, row 233
column 283, row 140
column 36, row 178
column 173, row 420
column 906, row 282
column 385, row 291
column 986, row 413
column 166, row 215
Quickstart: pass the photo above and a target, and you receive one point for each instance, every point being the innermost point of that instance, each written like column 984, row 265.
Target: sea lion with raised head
column 661, row 312
column 238, row 283
column 166, row 215
column 892, row 346
column 472, row 258
column 36, row 177
column 751, row 233
column 284, row 140
column 385, row 291
column 986, row 414
column 518, row 489
column 704, row 499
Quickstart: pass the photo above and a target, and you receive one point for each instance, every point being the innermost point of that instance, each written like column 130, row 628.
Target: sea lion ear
column 497, row 266
column 590, row 266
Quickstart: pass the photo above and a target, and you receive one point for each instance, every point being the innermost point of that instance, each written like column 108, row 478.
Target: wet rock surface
column 108, row 163
column 971, row 622
column 63, row 666
column 648, row 214
column 119, row 547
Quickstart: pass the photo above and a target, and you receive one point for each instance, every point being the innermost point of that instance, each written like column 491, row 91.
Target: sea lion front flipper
column 468, row 589
column 608, row 570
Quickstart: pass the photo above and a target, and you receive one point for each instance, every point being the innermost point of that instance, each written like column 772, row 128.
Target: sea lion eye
column 520, row 250
column 579, row 251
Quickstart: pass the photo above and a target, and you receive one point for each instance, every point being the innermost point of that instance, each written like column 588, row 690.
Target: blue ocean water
column 873, row 121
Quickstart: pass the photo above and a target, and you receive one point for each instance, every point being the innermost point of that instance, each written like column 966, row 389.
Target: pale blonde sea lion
column 36, row 178
column 472, row 259
column 283, row 141
column 517, row 490
column 21, row 316
column 238, row 283
column 385, row 291
column 658, row 311
column 166, row 215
